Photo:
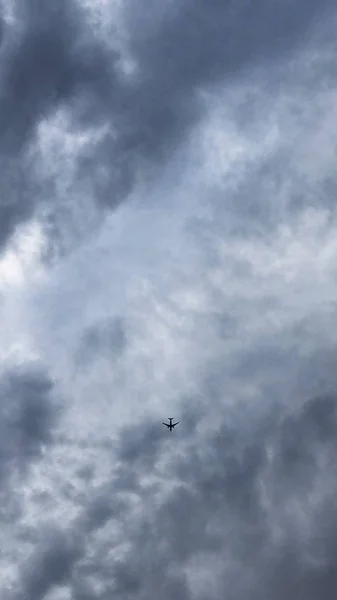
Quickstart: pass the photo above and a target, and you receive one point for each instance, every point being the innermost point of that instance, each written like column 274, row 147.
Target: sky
column 168, row 249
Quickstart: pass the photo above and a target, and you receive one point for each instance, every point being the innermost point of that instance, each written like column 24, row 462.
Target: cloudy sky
column 168, row 248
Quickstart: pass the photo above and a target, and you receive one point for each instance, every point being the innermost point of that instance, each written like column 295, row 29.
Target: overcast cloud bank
column 167, row 238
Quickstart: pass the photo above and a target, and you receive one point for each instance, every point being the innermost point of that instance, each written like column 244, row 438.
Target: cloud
column 51, row 564
column 208, row 296
column 31, row 89
column 219, row 509
column 27, row 418
column 104, row 337
column 231, row 502
column 144, row 115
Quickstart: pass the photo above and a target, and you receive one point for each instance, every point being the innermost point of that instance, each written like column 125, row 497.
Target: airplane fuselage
column 170, row 425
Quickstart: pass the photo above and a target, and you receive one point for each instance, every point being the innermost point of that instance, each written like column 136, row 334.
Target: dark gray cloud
column 28, row 416
column 139, row 447
column 187, row 48
column 32, row 87
column 51, row 564
column 106, row 337
column 216, row 509
column 199, row 43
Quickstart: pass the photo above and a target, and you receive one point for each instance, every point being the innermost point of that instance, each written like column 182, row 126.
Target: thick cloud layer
column 176, row 51
column 168, row 244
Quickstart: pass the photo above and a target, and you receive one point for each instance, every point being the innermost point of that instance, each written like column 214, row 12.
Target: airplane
column 170, row 425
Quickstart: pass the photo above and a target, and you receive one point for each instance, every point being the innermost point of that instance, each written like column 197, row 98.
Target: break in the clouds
column 168, row 248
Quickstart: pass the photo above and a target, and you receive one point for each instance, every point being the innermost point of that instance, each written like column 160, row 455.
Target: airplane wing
column 166, row 424
column 174, row 424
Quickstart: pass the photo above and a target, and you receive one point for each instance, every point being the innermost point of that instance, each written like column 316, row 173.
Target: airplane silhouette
column 170, row 425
